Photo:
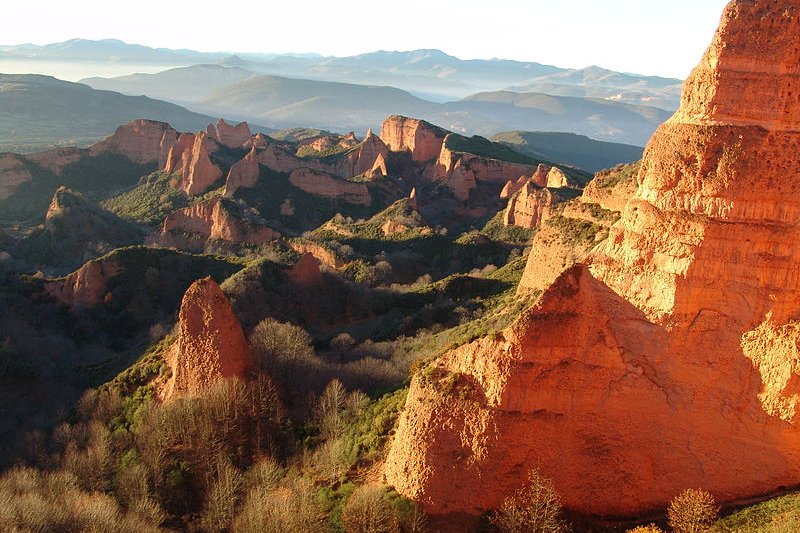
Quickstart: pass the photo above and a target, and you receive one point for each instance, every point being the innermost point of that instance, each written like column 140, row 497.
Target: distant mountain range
column 281, row 102
column 40, row 112
column 355, row 93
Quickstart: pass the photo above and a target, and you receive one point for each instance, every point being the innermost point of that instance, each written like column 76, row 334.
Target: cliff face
column 421, row 139
column 216, row 219
column 530, row 206
column 369, row 157
column 14, row 173
column 243, row 174
column 668, row 360
column 210, row 345
column 142, row 141
column 189, row 158
column 85, row 288
column 461, row 171
column 329, row 186
column 231, row 136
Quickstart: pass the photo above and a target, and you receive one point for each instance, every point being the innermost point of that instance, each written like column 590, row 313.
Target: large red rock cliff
column 215, row 219
column 189, row 158
column 142, row 141
column 669, row 359
column 421, row 139
column 210, row 344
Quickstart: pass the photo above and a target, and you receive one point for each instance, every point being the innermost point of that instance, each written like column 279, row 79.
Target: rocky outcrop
column 85, row 288
column 306, row 271
column 55, row 160
column 421, row 139
column 327, row 142
column 324, row 184
column 368, row 158
column 210, row 345
column 460, row 171
column 668, row 359
column 324, row 255
column 243, row 174
column 14, row 172
column 218, row 219
column 530, row 206
column 189, row 158
column 142, row 141
column 231, row 136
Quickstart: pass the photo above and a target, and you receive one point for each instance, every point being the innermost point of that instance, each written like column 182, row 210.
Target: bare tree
column 535, row 508
column 369, row 511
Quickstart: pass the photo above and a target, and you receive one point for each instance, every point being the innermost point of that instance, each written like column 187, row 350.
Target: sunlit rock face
column 669, row 358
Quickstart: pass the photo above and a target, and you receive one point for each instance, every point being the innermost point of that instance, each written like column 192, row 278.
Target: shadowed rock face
column 669, row 359
column 210, row 345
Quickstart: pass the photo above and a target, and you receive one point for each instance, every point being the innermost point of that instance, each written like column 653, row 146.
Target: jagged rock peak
column 210, row 344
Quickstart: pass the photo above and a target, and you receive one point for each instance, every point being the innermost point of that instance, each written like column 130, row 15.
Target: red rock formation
column 192, row 227
column 55, row 160
column 210, row 344
column 306, row 272
column 670, row 359
column 513, row 186
column 142, row 141
column 231, row 136
column 530, row 206
column 189, row 158
column 461, row 171
column 244, row 173
column 14, row 173
column 329, row 186
column 369, row 157
column 85, row 288
column 422, row 139
column 321, row 253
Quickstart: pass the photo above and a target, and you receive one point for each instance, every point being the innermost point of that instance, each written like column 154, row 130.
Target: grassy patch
column 150, row 201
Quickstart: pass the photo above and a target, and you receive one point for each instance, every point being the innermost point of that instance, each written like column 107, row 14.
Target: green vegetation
column 569, row 149
column 150, row 201
column 574, row 231
column 618, row 175
column 496, row 230
column 95, row 177
column 776, row 515
column 484, row 147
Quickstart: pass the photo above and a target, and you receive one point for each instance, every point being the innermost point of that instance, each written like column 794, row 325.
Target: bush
column 535, row 508
column 368, row 510
column 652, row 528
column 293, row 507
column 692, row 511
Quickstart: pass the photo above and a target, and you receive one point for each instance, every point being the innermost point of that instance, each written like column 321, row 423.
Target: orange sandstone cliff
column 668, row 359
column 210, row 344
column 218, row 219
column 421, row 139
column 189, row 158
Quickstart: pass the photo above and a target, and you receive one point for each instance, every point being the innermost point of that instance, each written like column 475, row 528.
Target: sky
column 641, row 36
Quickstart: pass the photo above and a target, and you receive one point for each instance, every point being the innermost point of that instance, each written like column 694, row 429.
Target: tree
column 535, row 508
column 369, row 511
column 692, row 511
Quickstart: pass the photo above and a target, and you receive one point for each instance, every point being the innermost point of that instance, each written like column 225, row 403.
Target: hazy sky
column 643, row 36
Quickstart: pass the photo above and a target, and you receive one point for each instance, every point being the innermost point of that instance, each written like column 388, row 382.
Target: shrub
column 692, row 511
column 535, row 508
column 651, row 528
column 368, row 510
column 290, row 508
